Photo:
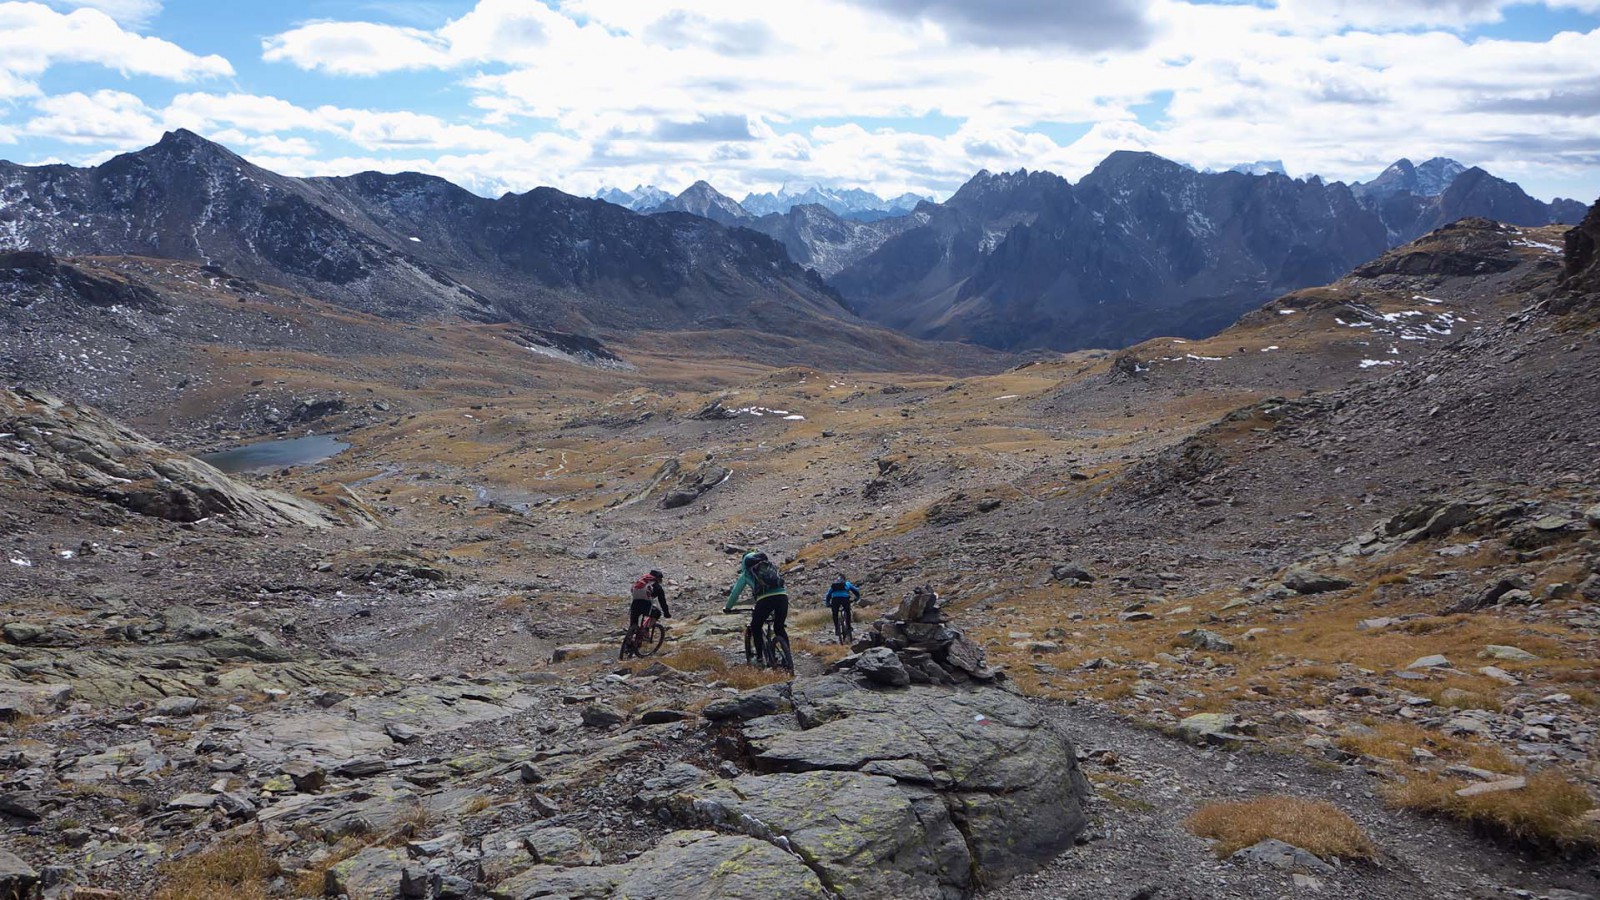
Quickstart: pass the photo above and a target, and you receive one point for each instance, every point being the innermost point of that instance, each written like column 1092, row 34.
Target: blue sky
column 892, row 95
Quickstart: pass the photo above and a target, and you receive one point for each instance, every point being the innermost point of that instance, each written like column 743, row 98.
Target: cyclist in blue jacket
column 841, row 595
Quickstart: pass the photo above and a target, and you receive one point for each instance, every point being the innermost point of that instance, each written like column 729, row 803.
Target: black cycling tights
column 778, row 608
column 842, row 606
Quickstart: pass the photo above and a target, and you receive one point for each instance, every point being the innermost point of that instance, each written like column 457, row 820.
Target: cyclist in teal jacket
column 765, row 583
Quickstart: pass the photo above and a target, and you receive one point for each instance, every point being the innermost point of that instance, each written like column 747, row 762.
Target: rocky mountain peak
column 1125, row 166
column 702, row 199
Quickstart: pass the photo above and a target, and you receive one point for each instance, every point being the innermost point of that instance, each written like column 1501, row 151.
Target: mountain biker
column 839, row 598
column 758, row 573
column 647, row 593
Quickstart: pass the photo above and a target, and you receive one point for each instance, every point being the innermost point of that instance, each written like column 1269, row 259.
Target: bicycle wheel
column 652, row 640
column 781, row 658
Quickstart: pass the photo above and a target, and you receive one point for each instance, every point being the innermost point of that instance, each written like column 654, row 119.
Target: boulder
column 1283, row 856
column 1213, row 729
column 865, row 835
column 17, row 878
column 602, row 715
column 373, row 874
column 560, row 847
column 177, row 706
column 880, row 665
column 1305, row 581
column 1201, row 639
column 1005, row 774
column 1436, row 661
column 1493, row 787
column 763, row 701
column 1071, row 572
column 1506, row 653
column 576, row 651
column 685, row 865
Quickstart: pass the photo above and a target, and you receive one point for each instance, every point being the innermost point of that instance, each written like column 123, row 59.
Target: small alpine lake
column 264, row 455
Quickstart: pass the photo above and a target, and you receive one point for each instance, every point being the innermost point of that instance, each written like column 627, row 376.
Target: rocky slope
column 51, row 445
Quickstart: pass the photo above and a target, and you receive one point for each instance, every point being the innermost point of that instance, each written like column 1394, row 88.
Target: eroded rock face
column 65, row 447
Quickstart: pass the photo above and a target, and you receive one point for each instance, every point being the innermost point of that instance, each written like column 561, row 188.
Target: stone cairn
column 914, row 644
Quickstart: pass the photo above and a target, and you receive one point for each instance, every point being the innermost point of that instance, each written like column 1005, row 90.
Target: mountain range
column 849, row 203
column 1141, row 246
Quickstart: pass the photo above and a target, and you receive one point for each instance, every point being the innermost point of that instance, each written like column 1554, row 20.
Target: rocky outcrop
column 857, row 792
column 1581, row 270
column 51, row 444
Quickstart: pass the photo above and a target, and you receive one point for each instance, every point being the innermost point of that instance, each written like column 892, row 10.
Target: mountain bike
column 771, row 650
column 646, row 639
column 843, row 621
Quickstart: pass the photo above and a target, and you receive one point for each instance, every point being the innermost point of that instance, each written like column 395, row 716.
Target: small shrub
column 696, row 659
column 1549, row 812
column 1319, row 827
column 237, row 869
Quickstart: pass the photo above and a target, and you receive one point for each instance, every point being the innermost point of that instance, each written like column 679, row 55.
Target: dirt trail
column 1140, row 848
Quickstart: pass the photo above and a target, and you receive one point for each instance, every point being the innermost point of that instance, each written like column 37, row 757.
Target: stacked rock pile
column 914, row 644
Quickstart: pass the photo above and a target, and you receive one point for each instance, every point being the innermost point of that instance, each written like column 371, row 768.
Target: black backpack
column 766, row 576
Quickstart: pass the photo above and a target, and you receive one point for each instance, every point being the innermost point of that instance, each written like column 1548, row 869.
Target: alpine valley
column 1263, row 512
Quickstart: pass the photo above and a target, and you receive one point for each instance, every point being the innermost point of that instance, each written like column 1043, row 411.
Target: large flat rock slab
column 686, row 865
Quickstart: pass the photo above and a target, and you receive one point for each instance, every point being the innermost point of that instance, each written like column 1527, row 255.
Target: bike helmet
column 656, row 574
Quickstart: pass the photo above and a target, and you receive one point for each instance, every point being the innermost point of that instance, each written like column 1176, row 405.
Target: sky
column 889, row 95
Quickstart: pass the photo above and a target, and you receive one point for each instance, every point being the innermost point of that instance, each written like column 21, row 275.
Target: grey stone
column 866, row 835
column 402, row 733
column 372, row 874
column 1287, row 857
column 663, row 716
column 1214, row 729
column 763, row 701
column 308, row 777
column 177, row 706
column 1493, row 787
column 1436, row 661
column 1003, row 771
column 1506, row 653
column 602, row 715
column 1305, row 581
column 192, row 801
column 1071, row 572
column 560, row 847
column 1202, row 639
column 17, row 878
column 880, row 665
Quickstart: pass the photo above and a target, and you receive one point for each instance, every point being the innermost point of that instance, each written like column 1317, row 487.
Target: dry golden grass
column 696, row 659
column 237, row 869
column 1319, row 827
column 1395, row 740
column 747, row 677
column 1548, row 812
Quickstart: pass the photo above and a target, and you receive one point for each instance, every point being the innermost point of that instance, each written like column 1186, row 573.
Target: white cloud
column 130, row 12
column 356, row 48
column 667, row 91
column 34, row 37
column 116, row 118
